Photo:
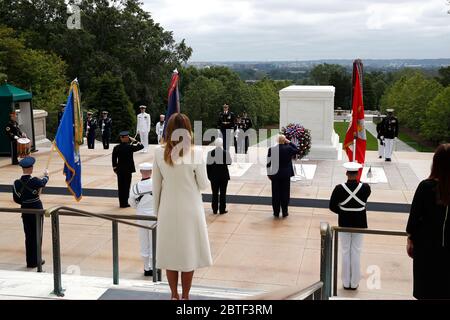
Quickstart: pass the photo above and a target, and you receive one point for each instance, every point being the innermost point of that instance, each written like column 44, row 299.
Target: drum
column 23, row 147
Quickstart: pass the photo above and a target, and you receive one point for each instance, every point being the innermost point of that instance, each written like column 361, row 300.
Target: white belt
column 352, row 195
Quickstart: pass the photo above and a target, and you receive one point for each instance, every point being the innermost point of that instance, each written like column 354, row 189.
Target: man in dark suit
column 26, row 191
column 217, row 169
column 123, row 164
column 280, row 171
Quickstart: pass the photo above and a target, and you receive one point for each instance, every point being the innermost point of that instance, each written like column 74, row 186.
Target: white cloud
column 307, row 29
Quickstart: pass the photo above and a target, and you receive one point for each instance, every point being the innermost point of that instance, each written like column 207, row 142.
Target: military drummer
column 26, row 192
column 349, row 200
column 14, row 133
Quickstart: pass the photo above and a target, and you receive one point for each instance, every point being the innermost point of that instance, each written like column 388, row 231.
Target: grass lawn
column 412, row 142
column 341, row 129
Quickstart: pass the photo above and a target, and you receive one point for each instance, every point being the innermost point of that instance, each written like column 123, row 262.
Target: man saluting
column 26, row 193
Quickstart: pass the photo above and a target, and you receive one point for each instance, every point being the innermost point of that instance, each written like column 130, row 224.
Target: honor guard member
column 61, row 112
column 123, row 164
column 90, row 125
column 248, row 124
column 380, row 139
column 390, row 130
column 105, row 124
column 141, row 198
column 14, row 133
column 226, row 124
column 143, row 127
column 160, row 127
column 26, row 192
column 239, row 136
column 349, row 200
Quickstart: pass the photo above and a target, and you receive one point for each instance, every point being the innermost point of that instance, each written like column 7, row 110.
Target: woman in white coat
column 179, row 175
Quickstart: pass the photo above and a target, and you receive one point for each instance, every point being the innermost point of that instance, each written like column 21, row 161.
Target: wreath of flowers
column 300, row 136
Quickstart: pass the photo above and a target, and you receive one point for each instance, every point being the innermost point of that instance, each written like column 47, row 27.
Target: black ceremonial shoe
column 223, row 212
column 148, row 273
column 388, row 159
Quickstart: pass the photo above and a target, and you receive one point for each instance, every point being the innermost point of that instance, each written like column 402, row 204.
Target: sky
column 272, row 30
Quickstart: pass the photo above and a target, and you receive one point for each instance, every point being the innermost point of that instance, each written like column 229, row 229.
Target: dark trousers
column 105, row 140
column 14, row 159
column 226, row 138
column 31, row 246
column 91, row 141
column 247, row 143
column 281, row 189
column 219, row 186
column 124, row 182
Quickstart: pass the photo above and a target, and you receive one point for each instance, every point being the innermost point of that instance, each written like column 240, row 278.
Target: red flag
column 356, row 129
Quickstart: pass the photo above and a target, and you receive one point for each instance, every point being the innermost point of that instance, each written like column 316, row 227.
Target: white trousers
column 380, row 148
column 145, row 237
column 351, row 244
column 388, row 148
column 144, row 139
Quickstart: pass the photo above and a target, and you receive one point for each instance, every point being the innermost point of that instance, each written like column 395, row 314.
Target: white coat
column 182, row 237
column 143, row 122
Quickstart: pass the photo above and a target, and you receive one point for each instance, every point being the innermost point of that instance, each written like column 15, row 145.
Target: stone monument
column 312, row 107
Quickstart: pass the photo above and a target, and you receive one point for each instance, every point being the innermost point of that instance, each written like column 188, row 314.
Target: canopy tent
column 12, row 98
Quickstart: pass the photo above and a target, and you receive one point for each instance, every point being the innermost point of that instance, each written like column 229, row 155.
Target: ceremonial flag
column 68, row 139
column 173, row 105
column 356, row 133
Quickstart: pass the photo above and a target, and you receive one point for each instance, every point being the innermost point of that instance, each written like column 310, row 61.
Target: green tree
column 444, row 76
column 436, row 126
column 108, row 93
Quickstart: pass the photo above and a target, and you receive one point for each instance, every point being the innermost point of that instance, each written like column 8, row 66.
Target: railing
column 330, row 249
column 55, row 212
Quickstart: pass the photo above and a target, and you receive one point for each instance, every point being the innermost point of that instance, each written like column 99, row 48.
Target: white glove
column 46, row 172
column 16, row 137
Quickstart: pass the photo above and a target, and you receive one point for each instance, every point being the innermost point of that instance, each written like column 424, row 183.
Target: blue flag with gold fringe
column 68, row 139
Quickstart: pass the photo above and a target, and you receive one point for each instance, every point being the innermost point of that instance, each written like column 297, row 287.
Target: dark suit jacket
column 217, row 165
column 279, row 161
column 122, row 157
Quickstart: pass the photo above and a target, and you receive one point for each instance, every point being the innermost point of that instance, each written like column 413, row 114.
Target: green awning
column 11, row 93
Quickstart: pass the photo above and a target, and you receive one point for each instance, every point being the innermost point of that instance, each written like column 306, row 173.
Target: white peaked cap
column 390, row 110
column 145, row 166
column 352, row 166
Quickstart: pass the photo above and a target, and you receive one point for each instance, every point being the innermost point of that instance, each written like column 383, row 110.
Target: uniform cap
column 352, row 166
column 27, row 162
column 105, row 112
column 146, row 166
column 143, row 107
column 124, row 133
column 89, row 112
column 390, row 110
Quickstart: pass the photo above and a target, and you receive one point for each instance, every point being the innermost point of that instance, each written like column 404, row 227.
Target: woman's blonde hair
column 176, row 122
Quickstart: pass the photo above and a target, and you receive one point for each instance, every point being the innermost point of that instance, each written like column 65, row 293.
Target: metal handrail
column 55, row 212
column 329, row 258
column 313, row 292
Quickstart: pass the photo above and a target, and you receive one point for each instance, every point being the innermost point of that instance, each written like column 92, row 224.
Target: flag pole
column 354, row 150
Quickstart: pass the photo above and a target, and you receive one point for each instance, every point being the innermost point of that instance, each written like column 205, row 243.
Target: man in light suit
column 143, row 127
column 280, row 171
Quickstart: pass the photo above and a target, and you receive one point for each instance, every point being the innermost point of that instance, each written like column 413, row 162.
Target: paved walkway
column 398, row 145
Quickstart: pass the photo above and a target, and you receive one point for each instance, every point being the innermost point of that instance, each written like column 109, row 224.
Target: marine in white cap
column 349, row 200
column 390, row 133
column 143, row 126
column 141, row 198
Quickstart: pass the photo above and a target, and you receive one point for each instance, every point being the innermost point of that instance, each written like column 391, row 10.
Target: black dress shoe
column 388, row 159
column 285, row 215
column 148, row 273
column 215, row 212
column 223, row 212
column 276, row 215
column 379, row 157
column 126, row 206
column 345, row 288
column 354, row 288
column 35, row 266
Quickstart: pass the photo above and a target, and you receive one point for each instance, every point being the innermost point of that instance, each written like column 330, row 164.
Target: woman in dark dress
column 429, row 230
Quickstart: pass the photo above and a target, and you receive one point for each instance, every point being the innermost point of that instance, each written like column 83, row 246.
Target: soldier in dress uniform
column 247, row 125
column 141, row 198
column 14, row 133
column 26, row 192
column 123, row 165
column 143, row 127
column 90, row 125
column 61, row 112
column 105, row 124
column 226, row 124
column 160, row 127
column 390, row 130
column 239, row 136
column 349, row 200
